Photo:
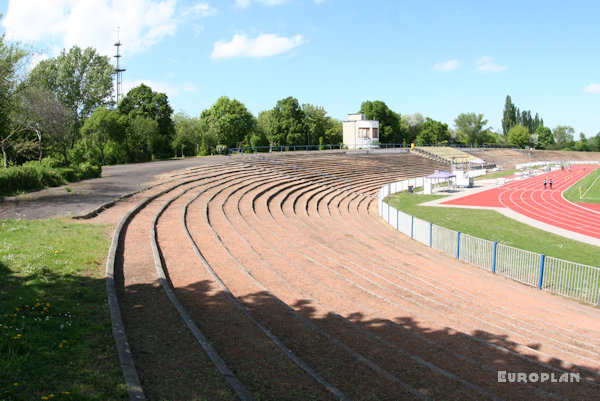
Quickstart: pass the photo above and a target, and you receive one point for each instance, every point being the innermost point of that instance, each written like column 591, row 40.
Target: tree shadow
column 56, row 338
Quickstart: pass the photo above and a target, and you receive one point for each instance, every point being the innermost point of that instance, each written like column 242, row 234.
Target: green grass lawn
column 56, row 341
column 588, row 186
column 491, row 225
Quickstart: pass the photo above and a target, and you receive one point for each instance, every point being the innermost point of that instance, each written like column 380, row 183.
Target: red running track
column 529, row 198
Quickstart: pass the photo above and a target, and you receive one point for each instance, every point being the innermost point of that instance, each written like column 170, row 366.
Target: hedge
column 35, row 175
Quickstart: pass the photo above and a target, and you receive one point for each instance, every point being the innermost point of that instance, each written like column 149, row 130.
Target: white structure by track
column 360, row 133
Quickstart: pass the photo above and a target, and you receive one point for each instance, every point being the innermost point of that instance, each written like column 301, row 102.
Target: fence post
column 542, row 260
column 431, row 235
column 412, row 226
column 397, row 220
column 458, row 245
column 494, row 257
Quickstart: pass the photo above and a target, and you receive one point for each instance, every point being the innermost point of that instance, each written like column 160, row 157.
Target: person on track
column 545, row 183
column 550, row 183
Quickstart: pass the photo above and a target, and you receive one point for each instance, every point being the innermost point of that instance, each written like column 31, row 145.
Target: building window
column 363, row 132
column 375, row 133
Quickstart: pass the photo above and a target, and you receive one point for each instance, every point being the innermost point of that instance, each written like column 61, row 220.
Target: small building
column 360, row 133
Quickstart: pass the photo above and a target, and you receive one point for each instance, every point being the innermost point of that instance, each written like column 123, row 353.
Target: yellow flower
column 15, row 384
column 65, row 393
column 17, row 309
column 51, row 396
column 48, row 304
column 44, row 398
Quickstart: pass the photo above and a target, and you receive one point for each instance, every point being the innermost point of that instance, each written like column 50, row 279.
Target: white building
column 360, row 133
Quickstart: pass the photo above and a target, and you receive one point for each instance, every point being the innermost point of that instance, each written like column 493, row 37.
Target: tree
column 545, row 137
column 509, row 117
column 595, row 143
column 229, row 121
column 317, row 122
column 80, row 80
column 413, row 124
column 582, row 145
column 471, row 128
column 102, row 126
column 390, row 127
column 13, row 61
column 563, row 135
column 187, row 134
column 142, row 101
column 519, row 136
column 286, row 123
column 432, row 132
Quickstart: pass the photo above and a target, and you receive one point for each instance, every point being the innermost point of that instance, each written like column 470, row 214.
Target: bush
column 34, row 175
column 221, row 149
column 17, row 179
column 88, row 170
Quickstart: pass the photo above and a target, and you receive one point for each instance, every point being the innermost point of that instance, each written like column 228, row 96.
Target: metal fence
column 562, row 277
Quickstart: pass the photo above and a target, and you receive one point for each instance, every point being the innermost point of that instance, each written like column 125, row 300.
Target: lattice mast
column 119, row 71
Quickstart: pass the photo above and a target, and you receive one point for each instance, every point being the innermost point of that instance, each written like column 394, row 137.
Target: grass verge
column 493, row 226
column 55, row 333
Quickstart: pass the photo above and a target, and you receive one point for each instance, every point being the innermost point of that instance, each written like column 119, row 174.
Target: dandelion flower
column 15, row 384
column 65, row 393
column 48, row 304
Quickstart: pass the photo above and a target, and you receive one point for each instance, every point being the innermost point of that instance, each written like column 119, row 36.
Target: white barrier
column 555, row 275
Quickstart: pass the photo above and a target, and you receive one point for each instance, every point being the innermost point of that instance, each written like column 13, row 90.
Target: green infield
column 587, row 190
column 493, row 226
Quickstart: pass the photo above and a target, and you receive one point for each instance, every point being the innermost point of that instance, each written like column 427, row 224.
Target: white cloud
column 264, row 45
column 447, row 66
column 592, row 88
column 246, row 3
column 200, row 10
column 93, row 22
column 485, row 65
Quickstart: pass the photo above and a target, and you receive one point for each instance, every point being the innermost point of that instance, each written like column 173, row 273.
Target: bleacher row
column 362, row 311
column 368, row 172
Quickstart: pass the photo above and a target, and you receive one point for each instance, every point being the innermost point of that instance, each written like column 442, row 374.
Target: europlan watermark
column 534, row 377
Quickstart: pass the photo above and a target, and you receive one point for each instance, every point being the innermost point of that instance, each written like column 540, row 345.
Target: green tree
column 471, row 128
column 545, row 137
column 228, row 121
column 509, row 117
column 595, row 143
column 317, row 122
column 187, row 134
column 142, row 101
column 432, row 132
column 413, row 123
column 390, row 128
column 101, row 127
column 582, row 145
column 563, row 135
column 81, row 80
column 13, row 61
column 334, row 134
column 287, row 124
column 519, row 136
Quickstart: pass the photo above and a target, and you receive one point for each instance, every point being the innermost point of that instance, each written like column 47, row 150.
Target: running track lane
column 529, row 198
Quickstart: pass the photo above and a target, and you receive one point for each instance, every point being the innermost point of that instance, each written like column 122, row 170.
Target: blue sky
column 438, row 58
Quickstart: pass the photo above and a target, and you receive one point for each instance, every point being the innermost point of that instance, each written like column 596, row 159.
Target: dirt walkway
column 80, row 198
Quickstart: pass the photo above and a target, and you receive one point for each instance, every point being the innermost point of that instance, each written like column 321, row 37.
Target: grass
column 55, row 333
column 493, row 226
column 496, row 174
column 588, row 186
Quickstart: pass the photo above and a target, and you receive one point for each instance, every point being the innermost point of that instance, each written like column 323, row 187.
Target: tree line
column 63, row 109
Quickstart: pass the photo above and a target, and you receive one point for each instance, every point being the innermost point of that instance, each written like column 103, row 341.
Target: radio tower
column 119, row 70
